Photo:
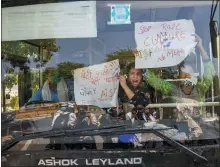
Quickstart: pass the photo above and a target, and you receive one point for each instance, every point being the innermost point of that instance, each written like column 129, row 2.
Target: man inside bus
column 54, row 89
column 86, row 119
column 141, row 114
column 64, row 118
column 191, row 90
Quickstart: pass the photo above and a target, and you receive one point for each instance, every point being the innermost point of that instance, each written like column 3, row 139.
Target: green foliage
column 205, row 82
column 49, row 44
column 159, row 84
column 18, row 48
column 35, row 87
column 66, row 68
column 10, row 81
column 125, row 57
column 14, row 103
column 24, row 49
column 48, row 72
column 35, row 77
column 202, row 87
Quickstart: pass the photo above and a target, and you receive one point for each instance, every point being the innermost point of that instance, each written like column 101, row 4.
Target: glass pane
column 18, row 59
column 44, row 79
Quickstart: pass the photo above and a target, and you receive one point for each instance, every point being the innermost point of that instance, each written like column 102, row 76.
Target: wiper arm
column 179, row 146
column 55, row 133
column 154, row 131
column 68, row 131
column 107, row 130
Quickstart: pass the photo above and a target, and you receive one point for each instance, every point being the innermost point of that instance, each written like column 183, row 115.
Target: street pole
column 90, row 52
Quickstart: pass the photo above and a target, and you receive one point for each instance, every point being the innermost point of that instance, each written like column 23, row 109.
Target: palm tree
column 125, row 57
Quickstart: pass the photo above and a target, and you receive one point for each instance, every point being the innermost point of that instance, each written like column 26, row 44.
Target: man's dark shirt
column 140, row 97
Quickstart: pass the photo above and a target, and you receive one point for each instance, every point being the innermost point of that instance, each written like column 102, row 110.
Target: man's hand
column 122, row 81
column 198, row 40
column 200, row 47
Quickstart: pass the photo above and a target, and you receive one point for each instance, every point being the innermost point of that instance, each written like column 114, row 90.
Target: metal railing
column 199, row 104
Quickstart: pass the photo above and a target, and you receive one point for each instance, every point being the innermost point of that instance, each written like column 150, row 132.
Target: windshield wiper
column 180, row 146
column 157, row 132
column 55, row 133
column 105, row 131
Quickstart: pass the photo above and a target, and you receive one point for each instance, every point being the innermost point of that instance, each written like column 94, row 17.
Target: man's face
column 187, row 87
column 120, row 108
column 52, row 84
column 135, row 77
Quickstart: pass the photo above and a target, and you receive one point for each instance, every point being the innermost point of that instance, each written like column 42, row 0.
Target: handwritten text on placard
column 163, row 44
column 97, row 85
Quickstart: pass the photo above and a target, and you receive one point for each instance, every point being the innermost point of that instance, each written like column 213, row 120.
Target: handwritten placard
column 163, row 44
column 97, row 85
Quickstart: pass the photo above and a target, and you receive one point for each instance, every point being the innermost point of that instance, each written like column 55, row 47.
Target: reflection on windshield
column 154, row 73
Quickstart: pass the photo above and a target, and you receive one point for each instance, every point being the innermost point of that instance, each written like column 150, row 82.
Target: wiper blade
column 62, row 131
column 55, row 133
column 154, row 131
column 107, row 130
column 179, row 146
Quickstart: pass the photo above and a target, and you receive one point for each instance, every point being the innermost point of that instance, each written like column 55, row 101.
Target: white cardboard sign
column 163, row 44
column 97, row 85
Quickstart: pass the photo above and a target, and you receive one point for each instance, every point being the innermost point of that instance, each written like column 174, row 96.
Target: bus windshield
column 91, row 64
